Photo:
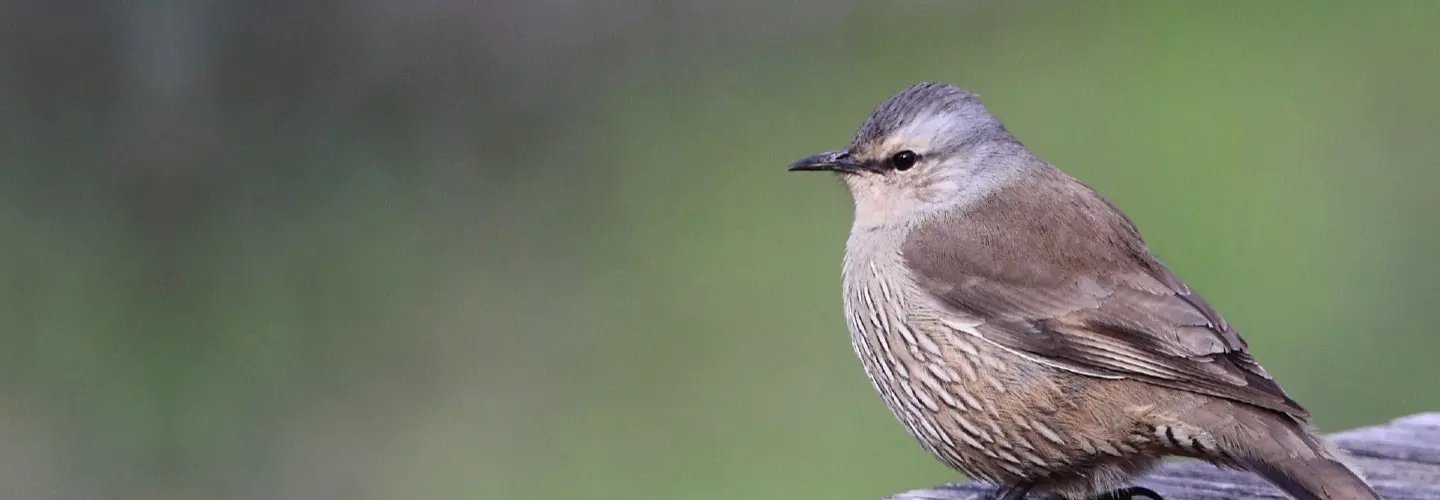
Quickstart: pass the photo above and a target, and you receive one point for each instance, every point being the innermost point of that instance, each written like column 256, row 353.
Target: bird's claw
column 1019, row 492
column 1013, row 492
column 1130, row 493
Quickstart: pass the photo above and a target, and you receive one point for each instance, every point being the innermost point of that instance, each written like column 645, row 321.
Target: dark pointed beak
column 834, row 161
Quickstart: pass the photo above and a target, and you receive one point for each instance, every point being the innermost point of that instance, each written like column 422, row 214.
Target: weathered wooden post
column 1401, row 459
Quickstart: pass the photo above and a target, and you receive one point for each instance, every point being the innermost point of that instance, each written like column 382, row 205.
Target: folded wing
column 1089, row 298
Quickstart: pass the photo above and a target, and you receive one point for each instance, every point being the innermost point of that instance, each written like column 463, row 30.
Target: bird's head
column 927, row 148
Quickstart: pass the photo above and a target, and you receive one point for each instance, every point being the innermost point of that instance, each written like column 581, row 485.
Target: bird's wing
column 1101, row 306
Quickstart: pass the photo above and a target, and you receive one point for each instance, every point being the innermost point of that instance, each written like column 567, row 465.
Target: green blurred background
column 536, row 249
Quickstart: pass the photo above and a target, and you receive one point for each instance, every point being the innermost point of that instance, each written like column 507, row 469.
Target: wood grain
column 1401, row 459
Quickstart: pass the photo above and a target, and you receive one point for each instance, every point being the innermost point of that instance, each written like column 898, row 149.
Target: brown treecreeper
column 1018, row 326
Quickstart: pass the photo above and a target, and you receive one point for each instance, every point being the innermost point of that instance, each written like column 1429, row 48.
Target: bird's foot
column 1130, row 493
column 1012, row 492
column 1021, row 490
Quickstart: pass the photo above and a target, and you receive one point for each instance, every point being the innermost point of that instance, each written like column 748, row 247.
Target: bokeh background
column 541, row 249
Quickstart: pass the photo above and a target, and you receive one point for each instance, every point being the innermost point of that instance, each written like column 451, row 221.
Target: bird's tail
column 1315, row 479
column 1304, row 465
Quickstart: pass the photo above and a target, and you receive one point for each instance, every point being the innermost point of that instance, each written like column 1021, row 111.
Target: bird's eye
column 904, row 160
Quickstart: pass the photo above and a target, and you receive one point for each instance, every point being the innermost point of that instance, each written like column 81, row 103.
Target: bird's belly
column 979, row 409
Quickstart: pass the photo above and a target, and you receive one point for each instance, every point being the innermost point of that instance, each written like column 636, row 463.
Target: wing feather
column 1091, row 298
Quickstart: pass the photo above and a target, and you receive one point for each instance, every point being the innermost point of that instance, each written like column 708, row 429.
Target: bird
column 1019, row 327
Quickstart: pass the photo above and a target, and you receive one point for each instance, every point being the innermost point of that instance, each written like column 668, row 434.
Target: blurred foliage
column 436, row 249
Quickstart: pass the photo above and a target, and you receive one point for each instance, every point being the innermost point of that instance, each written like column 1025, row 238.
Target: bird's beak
column 834, row 161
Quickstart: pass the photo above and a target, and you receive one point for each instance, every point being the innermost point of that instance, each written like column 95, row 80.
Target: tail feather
column 1315, row 479
column 1307, row 466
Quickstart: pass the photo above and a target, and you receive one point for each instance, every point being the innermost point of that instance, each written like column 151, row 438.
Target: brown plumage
column 1018, row 326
